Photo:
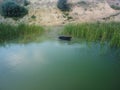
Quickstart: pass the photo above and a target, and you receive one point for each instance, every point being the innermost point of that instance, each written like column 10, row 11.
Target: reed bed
column 11, row 32
column 102, row 32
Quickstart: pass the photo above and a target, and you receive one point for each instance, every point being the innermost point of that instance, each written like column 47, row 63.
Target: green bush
column 82, row 2
column 26, row 2
column 62, row 5
column 12, row 9
column 33, row 17
column 115, row 7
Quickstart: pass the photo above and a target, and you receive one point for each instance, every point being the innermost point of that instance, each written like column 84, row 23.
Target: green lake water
column 59, row 65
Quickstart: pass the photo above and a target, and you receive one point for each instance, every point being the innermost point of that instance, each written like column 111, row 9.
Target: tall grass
column 102, row 32
column 10, row 32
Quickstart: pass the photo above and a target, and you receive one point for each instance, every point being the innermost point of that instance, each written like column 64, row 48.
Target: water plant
column 10, row 32
column 102, row 32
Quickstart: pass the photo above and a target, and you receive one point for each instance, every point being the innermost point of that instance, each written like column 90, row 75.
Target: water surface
column 59, row 65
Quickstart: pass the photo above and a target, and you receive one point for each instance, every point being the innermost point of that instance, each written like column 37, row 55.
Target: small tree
column 63, row 5
column 12, row 9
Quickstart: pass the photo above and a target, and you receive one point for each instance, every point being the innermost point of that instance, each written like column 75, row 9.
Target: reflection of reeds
column 102, row 32
column 10, row 32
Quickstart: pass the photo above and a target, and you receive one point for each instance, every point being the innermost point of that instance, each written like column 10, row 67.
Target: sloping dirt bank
column 45, row 12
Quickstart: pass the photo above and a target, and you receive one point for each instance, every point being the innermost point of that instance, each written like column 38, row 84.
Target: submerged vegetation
column 103, row 32
column 21, row 31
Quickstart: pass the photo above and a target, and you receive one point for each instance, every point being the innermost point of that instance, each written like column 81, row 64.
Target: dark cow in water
column 68, row 38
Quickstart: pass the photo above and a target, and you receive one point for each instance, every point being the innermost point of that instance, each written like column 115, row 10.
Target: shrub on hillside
column 63, row 5
column 115, row 7
column 26, row 2
column 12, row 9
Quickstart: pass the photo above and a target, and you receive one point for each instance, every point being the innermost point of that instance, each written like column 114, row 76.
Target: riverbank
column 93, row 32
